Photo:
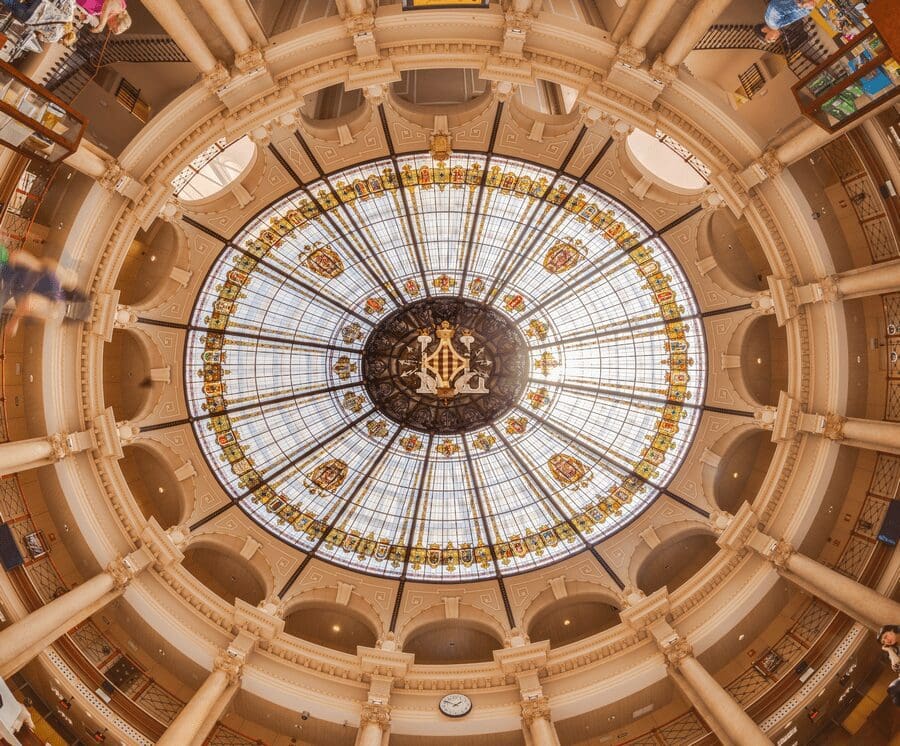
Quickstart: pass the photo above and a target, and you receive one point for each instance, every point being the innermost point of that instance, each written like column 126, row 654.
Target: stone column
column 374, row 722
column 21, row 455
column 24, row 639
column 195, row 722
column 866, row 605
column 650, row 19
column 856, row 283
column 176, row 23
column 536, row 720
column 692, row 29
column 873, row 435
column 225, row 17
column 728, row 715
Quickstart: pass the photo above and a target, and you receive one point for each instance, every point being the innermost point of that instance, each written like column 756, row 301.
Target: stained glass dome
column 445, row 370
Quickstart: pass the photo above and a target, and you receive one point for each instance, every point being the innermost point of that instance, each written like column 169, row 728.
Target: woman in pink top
column 107, row 12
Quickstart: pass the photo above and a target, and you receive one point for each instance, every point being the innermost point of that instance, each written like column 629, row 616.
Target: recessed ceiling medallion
column 445, row 365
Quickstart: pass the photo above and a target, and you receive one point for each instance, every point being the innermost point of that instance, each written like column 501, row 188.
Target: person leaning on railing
column 103, row 13
column 889, row 638
column 780, row 14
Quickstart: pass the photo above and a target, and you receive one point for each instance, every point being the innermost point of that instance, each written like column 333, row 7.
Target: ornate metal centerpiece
column 445, row 365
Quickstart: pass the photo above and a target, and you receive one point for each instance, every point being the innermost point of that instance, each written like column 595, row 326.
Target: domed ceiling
column 445, row 370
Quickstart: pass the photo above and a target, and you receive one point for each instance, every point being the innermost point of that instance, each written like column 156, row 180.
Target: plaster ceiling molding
column 592, row 143
column 711, row 294
column 668, row 524
column 648, row 186
column 574, row 589
column 121, row 223
column 430, row 609
column 374, row 604
column 705, row 267
column 725, row 387
column 353, row 138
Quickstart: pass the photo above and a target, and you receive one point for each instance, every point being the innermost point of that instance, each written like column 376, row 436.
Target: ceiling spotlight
column 161, row 490
column 741, row 637
column 567, row 622
column 735, row 475
column 335, row 627
column 153, row 257
column 759, row 361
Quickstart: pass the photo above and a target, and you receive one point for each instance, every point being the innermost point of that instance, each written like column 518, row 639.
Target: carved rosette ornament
column 535, row 709
column 677, row 652
column 374, row 712
column 834, row 427
column 230, row 665
column 780, row 552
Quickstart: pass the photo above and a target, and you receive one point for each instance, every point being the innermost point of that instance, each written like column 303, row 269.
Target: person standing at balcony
column 103, row 13
column 779, row 14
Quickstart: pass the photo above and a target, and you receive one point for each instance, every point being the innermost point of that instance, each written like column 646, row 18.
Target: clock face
column 456, row 705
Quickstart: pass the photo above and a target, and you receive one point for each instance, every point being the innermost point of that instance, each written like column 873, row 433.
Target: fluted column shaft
column 650, row 19
column 856, row 600
column 24, row 639
column 728, row 714
column 701, row 17
column 802, row 144
column 194, row 723
column 225, row 17
column 537, row 723
column 177, row 25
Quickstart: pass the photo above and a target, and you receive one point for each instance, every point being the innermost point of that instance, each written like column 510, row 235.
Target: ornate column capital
column 629, row 55
column 110, row 178
column 59, row 446
column 376, row 93
column 719, row 520
column 250, row 60
column 663, row 72
column 834, row 426
column 232, row 666
column 677, row 651
column 779, row 552
column 377, row 713
column 216, row 78
column 536, row 708
column 769, row 163
column 503, row 90
column 124, row 569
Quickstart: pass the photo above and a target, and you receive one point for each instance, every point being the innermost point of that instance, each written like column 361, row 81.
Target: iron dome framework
column 610, row 402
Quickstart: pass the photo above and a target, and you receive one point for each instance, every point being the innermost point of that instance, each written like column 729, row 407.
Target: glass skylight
column 610, row 406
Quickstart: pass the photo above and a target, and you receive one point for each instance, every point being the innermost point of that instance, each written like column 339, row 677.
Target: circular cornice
column 98, row 496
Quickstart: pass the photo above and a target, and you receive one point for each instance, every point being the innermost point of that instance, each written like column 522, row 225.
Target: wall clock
column 455, row 705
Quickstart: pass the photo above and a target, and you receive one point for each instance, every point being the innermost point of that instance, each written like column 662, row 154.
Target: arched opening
column 214, row 169
column 154, row 486
column 737, row 251
column 127, row 387
column 662, row 163
column 331, row 626
column 452, row 641
column 148, row 264
column 674, row 562
column 572, row 619
column 226, row 574
column 764, row 360
column 742, row 470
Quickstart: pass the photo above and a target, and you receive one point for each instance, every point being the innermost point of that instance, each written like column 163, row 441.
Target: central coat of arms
column 444, row 371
